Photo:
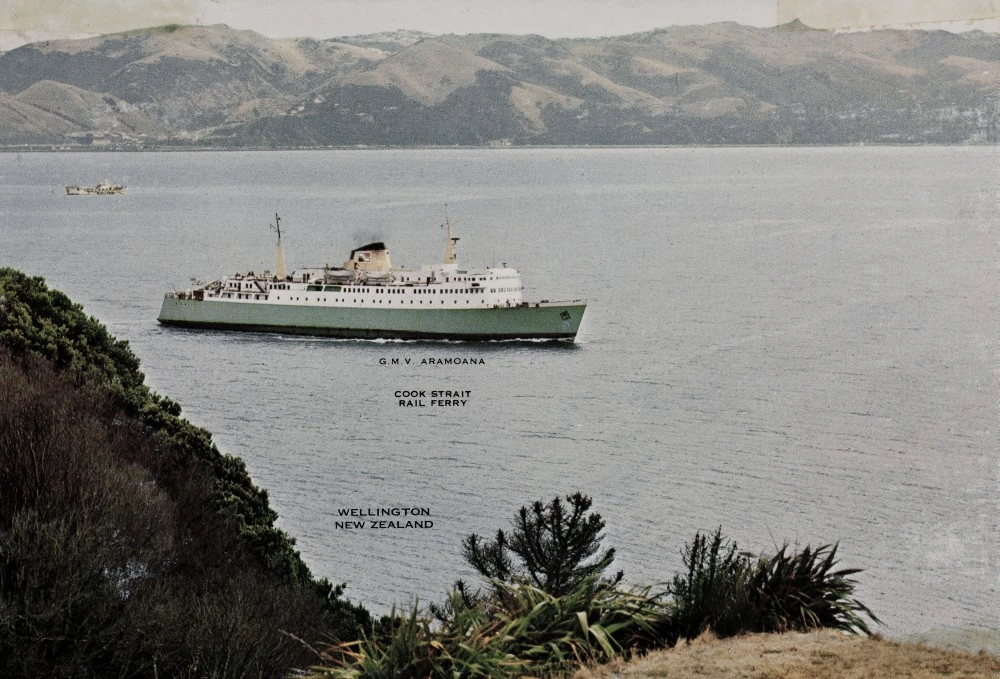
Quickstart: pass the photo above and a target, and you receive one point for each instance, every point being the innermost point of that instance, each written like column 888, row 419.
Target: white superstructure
column 368, row 280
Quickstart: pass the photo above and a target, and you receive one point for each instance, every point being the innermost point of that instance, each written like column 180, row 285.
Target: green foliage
column 538, row 633
column 109, row 567
column 41, row 322
column 733, row 592
column 523, row 630
column 414, row 649
column 708, row 594
column 801, row 590
column 128, row 543
column 553, row 546
column 589, row 624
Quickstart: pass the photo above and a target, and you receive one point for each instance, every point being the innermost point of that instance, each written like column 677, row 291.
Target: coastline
column 50, row 148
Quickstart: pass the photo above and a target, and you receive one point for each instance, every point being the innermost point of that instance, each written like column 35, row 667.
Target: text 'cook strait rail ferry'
column 367, row 298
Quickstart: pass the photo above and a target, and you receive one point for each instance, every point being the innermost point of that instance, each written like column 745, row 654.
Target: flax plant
column 534, row 633
column 733, row 592
column 803, row 590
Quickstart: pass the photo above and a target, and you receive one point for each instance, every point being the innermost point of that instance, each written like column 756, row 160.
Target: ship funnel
column 279, row 266
column 372, row 258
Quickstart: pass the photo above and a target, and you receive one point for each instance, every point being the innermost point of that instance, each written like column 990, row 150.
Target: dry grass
column 817, row 655
column 428, row 71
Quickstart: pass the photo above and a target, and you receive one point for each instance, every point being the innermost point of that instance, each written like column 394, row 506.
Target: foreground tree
column 553, row 547
column 129, row 544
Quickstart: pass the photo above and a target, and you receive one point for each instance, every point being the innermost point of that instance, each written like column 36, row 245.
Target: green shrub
column 536, row 633
column 521, row 629
column 734, row 592
column 129, row 545
column 468, row 647
column 709, row 593
column 590, row 624
column 108, row 567
column 37, row 321
column 802, row 590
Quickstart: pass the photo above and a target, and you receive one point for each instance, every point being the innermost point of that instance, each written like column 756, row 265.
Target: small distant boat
column 102, row 189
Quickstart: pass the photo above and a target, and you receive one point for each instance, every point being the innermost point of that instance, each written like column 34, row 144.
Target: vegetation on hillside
column 548, row 608
column 731, row 592
column 129, row 545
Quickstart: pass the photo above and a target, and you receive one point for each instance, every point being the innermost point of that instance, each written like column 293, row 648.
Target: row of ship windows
column 429, row 291
column 284, row 286
column 460, row 279
column 248, row 286
column 419, row 292
column 253, row 286
column 298, row 299
column 398, row 291
column 392, row 291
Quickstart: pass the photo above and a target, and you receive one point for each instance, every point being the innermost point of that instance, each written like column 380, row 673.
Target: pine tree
column 552, row 546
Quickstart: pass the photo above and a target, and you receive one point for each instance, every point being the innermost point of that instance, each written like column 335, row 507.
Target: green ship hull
column 544, row 320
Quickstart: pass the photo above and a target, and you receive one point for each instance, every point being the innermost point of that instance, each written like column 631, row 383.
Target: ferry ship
column 367, row 298
column 102, row 189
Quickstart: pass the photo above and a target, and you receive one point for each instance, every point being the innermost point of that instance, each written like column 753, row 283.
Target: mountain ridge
column 725, row 83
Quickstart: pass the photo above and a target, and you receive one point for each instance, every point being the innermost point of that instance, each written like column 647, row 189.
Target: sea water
column 797, row 345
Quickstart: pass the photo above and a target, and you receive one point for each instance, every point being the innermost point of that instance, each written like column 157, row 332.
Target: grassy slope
column 817, row 655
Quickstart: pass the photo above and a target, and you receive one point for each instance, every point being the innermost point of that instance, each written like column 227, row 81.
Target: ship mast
column 449, row 247
column 279, row 267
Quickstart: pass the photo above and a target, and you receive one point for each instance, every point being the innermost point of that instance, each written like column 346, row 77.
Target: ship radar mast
column 449, row 247
column 279, row 266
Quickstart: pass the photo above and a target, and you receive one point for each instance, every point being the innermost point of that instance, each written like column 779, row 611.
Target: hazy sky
column 552, row 18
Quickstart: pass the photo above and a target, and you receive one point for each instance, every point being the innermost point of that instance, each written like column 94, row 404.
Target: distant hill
column 717, row 84
column 49, row 108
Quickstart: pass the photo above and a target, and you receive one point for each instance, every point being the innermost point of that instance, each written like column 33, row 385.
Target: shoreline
column 50, row 148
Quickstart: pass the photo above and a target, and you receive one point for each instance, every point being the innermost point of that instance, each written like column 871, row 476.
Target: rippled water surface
column 796, row 344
